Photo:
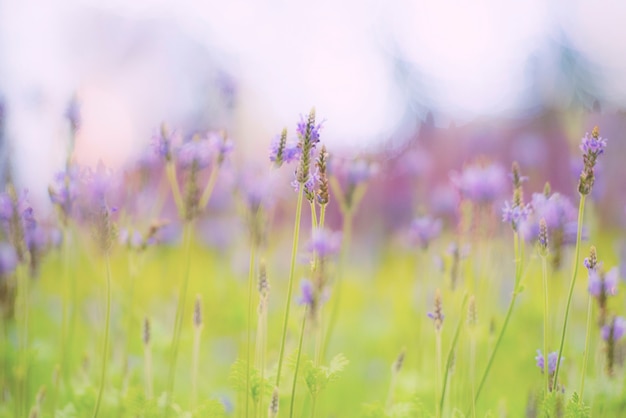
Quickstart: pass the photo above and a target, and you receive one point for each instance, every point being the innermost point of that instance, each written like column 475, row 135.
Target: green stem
column 438, row 379
column 544, row 274
column 334, row 312
column 586, row 352
column 249, row 331
column 24, row 279
column 581, row 209
column 180, row 314
column 313, row 405
column 208, row 189
column 455, row 339
column 294, row 250
column 195, row 361
column 105, row 348
column 313, row 217
column 518, row 275
column 131, row 295
column 260, row 350
column 170, row 171
column 473, row 371
column 295, row 374
column 148, row 369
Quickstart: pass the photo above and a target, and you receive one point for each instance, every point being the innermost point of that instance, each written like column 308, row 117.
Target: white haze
column 371, row 68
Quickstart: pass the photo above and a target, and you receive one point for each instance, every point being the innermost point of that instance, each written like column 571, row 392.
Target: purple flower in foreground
column 284, row 151
column 309, row 184
column 481, row 184
column 593, row 145
column 306, row 293
column 324, row 242
column 551, row 361
column 615, row 330
column 515, row 214
column 424, row 229
column 308, row 129
column 8, row 259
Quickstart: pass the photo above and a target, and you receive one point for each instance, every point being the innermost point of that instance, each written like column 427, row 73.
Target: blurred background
column 423, row 87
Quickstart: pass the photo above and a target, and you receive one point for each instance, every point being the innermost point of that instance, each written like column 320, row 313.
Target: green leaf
column 576, row 408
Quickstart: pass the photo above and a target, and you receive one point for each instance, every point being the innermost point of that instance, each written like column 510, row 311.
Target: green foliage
column 576, row 408
column 237, row 379
column 318, row 377
column 409, row 409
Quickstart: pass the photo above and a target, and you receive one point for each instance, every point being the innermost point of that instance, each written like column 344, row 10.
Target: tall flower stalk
column 543, row 253
column 514, row 213
column 308, row 133
column 592, row 147
column 591, row 264
column 437, row 317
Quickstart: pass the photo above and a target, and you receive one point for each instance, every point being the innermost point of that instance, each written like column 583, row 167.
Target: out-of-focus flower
column 481, row 184
column 283, row 151
column 515, row 214
column 64, row 190
column 423, row 230
column 8, row 259
column 196, row 151
column 603, row 284
column 72, row 113
column 615, row 330
column 306, row 293
column 552, row 359
column 437, row 314
column 325, row 243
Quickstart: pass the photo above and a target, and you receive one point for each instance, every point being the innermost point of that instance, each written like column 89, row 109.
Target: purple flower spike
column 325, row 243
column 592, row 145
column 552, row 357
column 8, row 259
column 515, row 215
column 306, row 293
column 289, row 153
column 603, row 283
column 303, row 125
column 198, row 151
column 481, row 184
column 424, row 229
column 615, row 330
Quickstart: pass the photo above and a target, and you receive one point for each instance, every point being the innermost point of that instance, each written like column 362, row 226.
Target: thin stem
column 313, row 216
column 544, row 274
column 249, row 325
column 147, row 355
column 170, row 171
column 473, row 371
column 455, row 339
column 392, row 387
column 195, row 361
column 586, row 353
column 105, row 348
column 294, row 250
column 180, row 313
column 518, row 275
column 208, row 189
column 260, row 350
column 438, row 380
column 581, row 209
column 313, row 405
column 132, row 273
column 295, row 374
column 334, row 312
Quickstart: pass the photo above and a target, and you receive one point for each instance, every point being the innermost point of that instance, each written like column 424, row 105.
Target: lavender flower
column 615, row 330
column 591, row 262
column 424, row 229
column 283, row 151
column 196, row 151
column 543, row 237
column 63, row 191
column 8, row 259
column 552, row 358
column 437, row 315
column 163, row 142
column 592, row 147
column 603, row 284
column 611, row 334
column 307, row 296
column 308, row 130
column 515, row 214
column 481, row 184
column 72, row 113
column 325, row 243
column 17, row 219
